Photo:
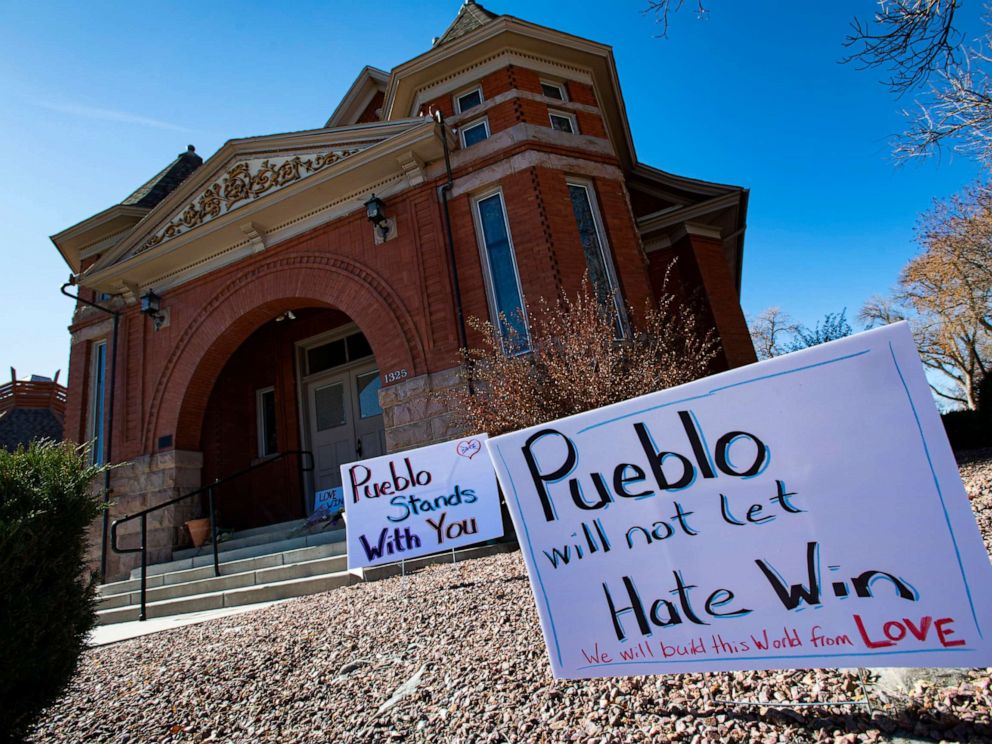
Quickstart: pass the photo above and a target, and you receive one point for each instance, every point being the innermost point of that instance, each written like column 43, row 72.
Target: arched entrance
column 246, row 302
column 305, row 379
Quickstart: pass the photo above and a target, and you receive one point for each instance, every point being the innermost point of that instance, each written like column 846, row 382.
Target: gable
column 257, row 192
column 243, row 181
column 362, row 100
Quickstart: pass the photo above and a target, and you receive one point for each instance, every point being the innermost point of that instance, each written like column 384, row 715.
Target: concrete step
column 265, row 578
column 249, row 538
column 205, row 555
column 230, row 567
column 213, row 584
column 280, row 527
column 229, row 597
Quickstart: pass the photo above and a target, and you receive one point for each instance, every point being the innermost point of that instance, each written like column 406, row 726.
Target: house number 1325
column 395, row 375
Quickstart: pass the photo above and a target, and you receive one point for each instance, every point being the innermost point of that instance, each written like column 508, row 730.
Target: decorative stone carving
column 244, row 181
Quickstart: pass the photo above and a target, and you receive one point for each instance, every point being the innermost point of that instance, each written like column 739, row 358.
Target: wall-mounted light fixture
column 375, row 208
column 151, row 305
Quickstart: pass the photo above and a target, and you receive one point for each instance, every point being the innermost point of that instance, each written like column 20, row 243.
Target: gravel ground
column 455, row 654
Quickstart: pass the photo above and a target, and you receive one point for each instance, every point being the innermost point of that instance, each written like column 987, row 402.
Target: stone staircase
column 258, row 565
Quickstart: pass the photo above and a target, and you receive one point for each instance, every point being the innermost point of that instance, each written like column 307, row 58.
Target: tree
column 47, row 596
column 774, row 333
column 919, row 44
column 576, row 362
column 946, row 294
column 832, row 327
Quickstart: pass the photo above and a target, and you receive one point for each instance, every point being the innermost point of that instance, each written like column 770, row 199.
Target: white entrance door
column 345, row 422
column 332, row 434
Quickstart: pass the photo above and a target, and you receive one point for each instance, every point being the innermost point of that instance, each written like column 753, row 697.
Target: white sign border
column 899, row 335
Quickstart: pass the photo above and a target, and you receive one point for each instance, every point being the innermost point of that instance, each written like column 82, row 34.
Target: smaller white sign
column 419, row 502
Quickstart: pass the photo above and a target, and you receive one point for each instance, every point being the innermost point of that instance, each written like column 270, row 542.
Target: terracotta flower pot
column 199, row 531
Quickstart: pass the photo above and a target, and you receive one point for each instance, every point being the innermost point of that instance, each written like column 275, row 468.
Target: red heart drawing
column 469, row 448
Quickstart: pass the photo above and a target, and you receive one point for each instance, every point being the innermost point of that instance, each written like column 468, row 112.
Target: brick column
column 702, row 262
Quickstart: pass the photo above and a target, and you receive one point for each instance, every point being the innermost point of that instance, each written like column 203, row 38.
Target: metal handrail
column 304, row 455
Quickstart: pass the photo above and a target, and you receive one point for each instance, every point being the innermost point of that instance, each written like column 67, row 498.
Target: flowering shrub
column 574, row 362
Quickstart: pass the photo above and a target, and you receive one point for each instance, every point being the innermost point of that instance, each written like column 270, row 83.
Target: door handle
column 358, row 447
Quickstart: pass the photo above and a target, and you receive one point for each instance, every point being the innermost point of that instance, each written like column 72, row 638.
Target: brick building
column 288, row 320
column 32, row 409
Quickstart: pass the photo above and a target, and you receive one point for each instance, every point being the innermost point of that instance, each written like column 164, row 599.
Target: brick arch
column 255, row 297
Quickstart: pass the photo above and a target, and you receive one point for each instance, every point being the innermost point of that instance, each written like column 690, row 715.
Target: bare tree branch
column 912, row 39
column 663, row 10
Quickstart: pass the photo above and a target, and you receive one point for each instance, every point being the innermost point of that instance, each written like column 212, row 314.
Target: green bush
column 46, row 596
column 985, row 397
column 967, row 430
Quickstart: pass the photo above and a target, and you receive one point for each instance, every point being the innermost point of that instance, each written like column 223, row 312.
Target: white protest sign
column 419, row 502
column 801, row 512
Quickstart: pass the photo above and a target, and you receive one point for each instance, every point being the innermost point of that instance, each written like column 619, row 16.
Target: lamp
column 151, row 305
column 375, row 209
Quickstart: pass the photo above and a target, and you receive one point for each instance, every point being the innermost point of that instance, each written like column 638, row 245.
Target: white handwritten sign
column 801, row 512
column 419, row 502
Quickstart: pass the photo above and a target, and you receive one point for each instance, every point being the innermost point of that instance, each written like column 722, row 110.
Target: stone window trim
column 464, row 129
column 484, row 257
column 460, row 99
column 554, row 90
column 508, row 95
column 96, row 406
column 466, row 76
column 605, row 250
column 563, row 121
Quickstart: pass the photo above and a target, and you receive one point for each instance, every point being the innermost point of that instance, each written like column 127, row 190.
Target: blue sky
column 98, row 96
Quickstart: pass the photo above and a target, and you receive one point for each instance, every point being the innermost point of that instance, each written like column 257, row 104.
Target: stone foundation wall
column 137, row 485
column 414, row 414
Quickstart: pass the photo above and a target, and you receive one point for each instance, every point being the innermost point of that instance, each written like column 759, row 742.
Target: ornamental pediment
column 242, row 182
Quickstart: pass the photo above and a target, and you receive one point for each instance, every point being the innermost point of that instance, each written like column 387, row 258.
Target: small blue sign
column 330, row 499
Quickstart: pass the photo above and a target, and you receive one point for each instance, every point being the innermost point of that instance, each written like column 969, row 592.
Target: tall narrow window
column 98, row 398
column 265, row 403
column 598, row 263
column 501, row 269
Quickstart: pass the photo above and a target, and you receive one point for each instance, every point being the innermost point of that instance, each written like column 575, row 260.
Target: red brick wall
column 230, row 429
column 700, row 276
column 398, row 293
column 581, row 93
column 523, row 110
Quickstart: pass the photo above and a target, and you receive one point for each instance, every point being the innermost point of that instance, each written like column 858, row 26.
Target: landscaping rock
column 454, row 653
